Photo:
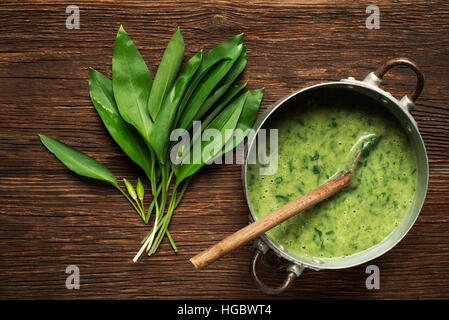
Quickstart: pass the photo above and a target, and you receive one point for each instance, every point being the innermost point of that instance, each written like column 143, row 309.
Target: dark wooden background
column 51, row 218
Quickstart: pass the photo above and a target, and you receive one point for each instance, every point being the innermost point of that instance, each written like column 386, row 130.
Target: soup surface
column 314, row 145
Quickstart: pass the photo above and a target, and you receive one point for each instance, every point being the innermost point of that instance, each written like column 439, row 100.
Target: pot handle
column 376, row 77
column 293, row 271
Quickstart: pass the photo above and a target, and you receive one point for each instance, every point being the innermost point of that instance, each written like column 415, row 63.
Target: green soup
column 313, row 146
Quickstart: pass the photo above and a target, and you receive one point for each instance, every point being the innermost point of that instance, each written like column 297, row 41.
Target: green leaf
column 209, row 82
column 77, row 161
column 250, row 109
column 131, row 83
column 246, row 120
column 223, row 102
column 226, row 50
column 224, row 122
column 224, row 85
column 166, row 73
column 130, row 189
column 163, row 125
column 140, row 190
column 100, row 88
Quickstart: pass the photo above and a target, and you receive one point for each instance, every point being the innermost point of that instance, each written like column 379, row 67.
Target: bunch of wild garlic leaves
column 140, row 113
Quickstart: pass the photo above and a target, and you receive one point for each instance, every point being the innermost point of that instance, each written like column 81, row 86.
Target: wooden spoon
column 278, row 216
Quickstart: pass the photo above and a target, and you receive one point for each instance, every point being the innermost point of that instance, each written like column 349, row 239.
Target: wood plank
column 50, row 218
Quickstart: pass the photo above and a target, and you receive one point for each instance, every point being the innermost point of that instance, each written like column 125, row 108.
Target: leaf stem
column 142, row 211
column 153, row 177
column 174, row 201
column 152, row 248
column 159, row 226
column 150, row 209
column 172, row 242
column 164, row 179
column 132, row 202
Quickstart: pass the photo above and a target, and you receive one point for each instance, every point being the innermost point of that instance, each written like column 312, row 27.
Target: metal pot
column 400, row 109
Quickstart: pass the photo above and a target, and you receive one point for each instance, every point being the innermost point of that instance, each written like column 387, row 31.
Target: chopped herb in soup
column 314, row 144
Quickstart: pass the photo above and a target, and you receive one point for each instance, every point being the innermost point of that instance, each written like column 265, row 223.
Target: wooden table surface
column 51, row 218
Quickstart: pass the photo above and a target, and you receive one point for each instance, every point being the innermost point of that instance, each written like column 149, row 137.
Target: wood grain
column 51, row 218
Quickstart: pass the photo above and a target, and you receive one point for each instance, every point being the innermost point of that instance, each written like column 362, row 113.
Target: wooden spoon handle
column 260, row 226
